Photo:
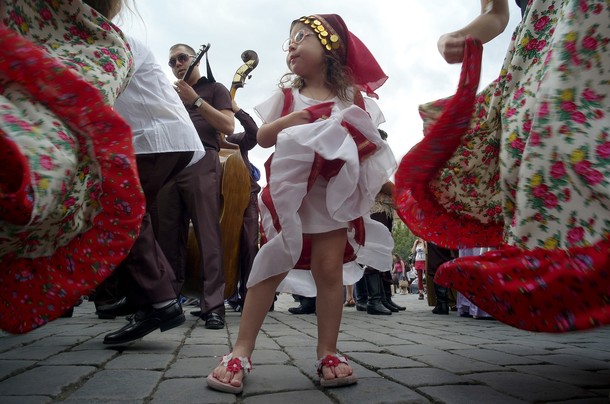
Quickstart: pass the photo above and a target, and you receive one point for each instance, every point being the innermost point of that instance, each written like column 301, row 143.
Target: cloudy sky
column 403, row 41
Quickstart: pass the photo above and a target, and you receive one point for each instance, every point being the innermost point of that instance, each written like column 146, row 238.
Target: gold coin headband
column 327, row 36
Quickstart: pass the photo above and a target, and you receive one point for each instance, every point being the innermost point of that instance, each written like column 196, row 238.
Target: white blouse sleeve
column 374, row 111
column 271, row 109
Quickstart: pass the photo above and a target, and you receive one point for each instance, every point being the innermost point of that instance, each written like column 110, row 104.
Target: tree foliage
column 403, row 239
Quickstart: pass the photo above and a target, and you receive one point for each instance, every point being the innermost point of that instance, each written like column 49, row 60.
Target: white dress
column 288, row 209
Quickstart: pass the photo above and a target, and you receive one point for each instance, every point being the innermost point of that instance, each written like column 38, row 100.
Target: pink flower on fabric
column 579, row 117
column 543, row 110
column 518, row 144
column 576, row 235
column 109, row 67
column 568, row 106
column 584, row 6
column 46, row 162
column 541, row 23
column 590, row 43
column 550, row 200
column 593, row 177
column 558, row 170
column 540, row 45
column 45, row 14
column 582, row 167
column 603, row 150
column 590, row 95
column 540, row 191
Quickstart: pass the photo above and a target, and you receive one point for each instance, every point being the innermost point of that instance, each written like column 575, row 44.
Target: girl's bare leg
column 327, row 269
column 258, row 301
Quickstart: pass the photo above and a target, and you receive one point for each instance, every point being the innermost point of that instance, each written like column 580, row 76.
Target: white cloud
column 403, row 41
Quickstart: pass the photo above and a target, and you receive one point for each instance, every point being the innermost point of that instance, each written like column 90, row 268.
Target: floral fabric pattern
column 534, row 167
column 70, row 200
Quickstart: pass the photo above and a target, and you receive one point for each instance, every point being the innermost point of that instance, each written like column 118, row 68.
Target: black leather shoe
column 441, row 308
column 392, row 303
column 146, row 321
column 116, row 309
column 214, row 321
column 307, row 306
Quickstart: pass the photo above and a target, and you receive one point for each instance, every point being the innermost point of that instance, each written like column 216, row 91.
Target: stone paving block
column 456, row 364
column 275, row 378
column 515, row 349
column 598, row 400
column 296, row 341
column 466, row 339
column 573, row 361
column 142, row 361
column 93, row 358
column 192, row 367
column 67, row 340
column 118, row 385
column 567, row 375
column 460, row 394
column 413, row 350
column 529, row 387
column 44, row 380
column 263, row 342
column 25, row 399
column 308, row 396
column 417, row 377
column 148, row 344
column 189, row 391
column 585, row 353
column 8, row 367
column 446, row 345
column 495, row 357
column 375, row 391
column 190, row 351
column 36, row 353
column 359, row 346
column 382, row 360
column 269, row 357
column 11, row 341
column 102, row 401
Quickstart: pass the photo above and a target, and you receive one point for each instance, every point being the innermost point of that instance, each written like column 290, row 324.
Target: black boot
column 307, row 306
column 361, row 294
column 374, row 290
column 387, row 289
column 442, row 302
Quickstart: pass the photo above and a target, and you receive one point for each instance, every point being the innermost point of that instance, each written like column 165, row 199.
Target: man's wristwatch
column 197, row 103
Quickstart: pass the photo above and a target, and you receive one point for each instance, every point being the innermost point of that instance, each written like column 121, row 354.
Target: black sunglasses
column 183, row 57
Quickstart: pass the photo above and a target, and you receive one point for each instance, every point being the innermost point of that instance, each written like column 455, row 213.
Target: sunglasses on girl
column 182, row 58
column 298, row 37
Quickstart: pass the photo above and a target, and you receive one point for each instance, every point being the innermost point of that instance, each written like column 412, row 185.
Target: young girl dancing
column 328, row 165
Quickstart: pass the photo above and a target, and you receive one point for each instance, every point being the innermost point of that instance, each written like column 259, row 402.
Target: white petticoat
column 347, row 196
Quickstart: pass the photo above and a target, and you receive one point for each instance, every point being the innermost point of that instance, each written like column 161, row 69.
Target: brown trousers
column 194, row 196
column 145, row 275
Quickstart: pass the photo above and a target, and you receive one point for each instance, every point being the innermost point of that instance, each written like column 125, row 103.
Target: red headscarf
column 339, row 41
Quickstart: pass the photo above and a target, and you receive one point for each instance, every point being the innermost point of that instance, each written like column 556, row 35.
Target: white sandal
column 233, row 365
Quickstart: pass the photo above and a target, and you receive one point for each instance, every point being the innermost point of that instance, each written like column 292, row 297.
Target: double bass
column 235, row 197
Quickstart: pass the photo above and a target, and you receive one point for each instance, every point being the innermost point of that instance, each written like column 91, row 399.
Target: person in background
column 194, row 194
column 419, row 251
column 248, row 244
column 165, row 143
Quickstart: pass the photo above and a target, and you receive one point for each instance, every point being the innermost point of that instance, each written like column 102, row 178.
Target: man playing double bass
column 194, row 194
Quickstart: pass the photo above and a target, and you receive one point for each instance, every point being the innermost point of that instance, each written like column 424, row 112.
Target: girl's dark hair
column 338, row 78
column 107, row 8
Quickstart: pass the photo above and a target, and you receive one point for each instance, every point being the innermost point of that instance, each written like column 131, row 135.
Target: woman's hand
column 451, row 46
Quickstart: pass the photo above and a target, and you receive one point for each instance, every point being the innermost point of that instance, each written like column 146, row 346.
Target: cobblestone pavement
column 413, row 356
